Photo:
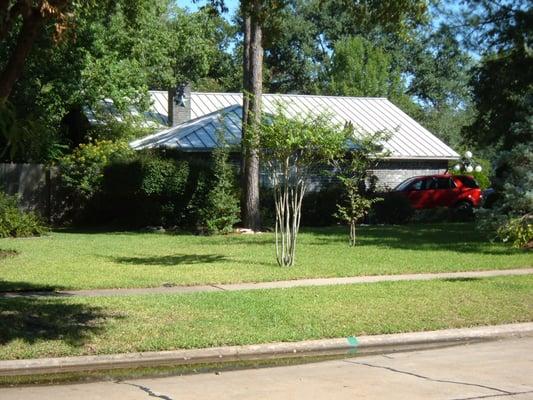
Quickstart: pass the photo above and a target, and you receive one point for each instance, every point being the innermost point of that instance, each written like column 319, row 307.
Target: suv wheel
column 464, row 211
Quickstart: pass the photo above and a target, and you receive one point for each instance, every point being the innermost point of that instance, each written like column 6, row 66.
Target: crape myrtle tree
column 292, row 150
column 352, row 169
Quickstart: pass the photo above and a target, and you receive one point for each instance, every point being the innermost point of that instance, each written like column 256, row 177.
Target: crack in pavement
column 501, row 391
column 145, row 389
column 494, row 395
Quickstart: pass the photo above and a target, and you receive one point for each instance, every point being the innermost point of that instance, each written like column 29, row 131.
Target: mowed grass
column 131, row 259
column 54, row 326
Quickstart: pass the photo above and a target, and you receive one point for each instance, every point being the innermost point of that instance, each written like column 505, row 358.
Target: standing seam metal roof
column 213, row 112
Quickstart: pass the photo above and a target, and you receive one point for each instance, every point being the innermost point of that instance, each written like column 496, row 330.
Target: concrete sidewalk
column 376, row 344
column 273, row 285
column 496, row 369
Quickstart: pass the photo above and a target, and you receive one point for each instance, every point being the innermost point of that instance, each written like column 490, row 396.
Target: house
column 190, row 121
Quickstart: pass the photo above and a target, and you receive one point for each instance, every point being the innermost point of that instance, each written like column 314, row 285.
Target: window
column 418, row 185
column 468, row 182
column 445, row 183
column 404, row 185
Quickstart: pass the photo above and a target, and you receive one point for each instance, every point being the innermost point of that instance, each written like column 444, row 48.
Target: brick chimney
column 179, row 104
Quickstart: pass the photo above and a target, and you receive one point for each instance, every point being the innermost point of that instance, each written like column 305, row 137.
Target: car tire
column 464, row 211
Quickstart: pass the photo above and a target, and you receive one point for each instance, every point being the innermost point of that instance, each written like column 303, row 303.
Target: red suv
column 460, row 191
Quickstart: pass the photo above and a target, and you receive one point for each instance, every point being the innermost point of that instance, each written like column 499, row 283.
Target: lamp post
column 467, row 164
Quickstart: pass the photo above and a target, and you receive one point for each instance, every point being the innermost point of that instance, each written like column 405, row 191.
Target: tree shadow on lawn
column 10, row 286
column 35, row 319
column 454, row 237
column 173, row 260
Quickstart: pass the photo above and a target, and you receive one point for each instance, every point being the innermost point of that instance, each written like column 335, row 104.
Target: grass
column 33, row 327
column 83, row 260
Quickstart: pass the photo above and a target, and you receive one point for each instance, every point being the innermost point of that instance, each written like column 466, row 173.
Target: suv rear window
column 468, row 182
column 445, row 183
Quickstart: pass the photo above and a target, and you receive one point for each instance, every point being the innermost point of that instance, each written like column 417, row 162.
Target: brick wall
column 392, row 172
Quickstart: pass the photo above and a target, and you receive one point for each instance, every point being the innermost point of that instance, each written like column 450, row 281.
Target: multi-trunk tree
column 294, row 149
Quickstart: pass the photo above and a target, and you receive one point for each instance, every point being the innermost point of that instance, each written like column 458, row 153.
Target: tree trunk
column 245, row 101
column 31, row 26
column 353, row 237
column 252, row 120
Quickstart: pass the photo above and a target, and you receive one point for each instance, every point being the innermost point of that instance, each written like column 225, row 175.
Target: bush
column 17, row 223
column 319, row 207
column 518, row 231
column 148, row 190
column 394, row 209
column 221, row 210
column 82, row 171
column 509, row 217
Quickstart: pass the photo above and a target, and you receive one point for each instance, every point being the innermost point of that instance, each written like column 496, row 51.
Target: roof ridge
column 294, row 95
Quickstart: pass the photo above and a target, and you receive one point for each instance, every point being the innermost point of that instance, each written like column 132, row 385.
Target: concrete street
column 497, row 369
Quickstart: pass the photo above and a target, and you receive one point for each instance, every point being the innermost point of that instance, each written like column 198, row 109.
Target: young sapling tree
column 352, row 169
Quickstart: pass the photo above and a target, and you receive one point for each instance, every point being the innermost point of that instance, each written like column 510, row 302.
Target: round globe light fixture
column 468, row 154
column 457, row 167
column 469, row 168
column 478, row 168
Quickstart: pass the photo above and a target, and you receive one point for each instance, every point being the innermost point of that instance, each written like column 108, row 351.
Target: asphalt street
column 489, row 370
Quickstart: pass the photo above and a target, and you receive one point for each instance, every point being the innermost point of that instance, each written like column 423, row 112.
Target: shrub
column 17, row 223
column 148, row 190
column 394, row 209
column 221, row 210
column 509, row 217
column 319, row 207
column 82, row 171
column 517, row 231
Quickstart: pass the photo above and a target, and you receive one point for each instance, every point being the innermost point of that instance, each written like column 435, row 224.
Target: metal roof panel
column 409, row 139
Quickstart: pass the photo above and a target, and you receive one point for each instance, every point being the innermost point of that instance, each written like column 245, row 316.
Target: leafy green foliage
column 114, row 50
column 351, row 170
column 221, row 210
column 17, row 223
column 359, row 68
column 26, row 139
column 83, row 170
column 518, row 231
column 503, row 87
column 510, row 216
column 300, row 38
column 145, row 190
column 502, row 90
column 292, row 149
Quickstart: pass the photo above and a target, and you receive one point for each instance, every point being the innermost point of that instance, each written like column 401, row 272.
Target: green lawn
column 131, row 259
column 73, row 326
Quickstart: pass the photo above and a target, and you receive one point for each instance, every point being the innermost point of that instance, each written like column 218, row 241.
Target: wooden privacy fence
column 32, row 183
